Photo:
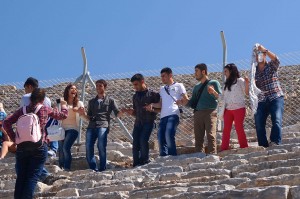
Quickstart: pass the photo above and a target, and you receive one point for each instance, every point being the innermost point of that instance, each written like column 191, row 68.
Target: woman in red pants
column 234, row 98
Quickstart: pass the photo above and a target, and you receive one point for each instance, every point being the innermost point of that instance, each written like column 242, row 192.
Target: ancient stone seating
column 253, row 172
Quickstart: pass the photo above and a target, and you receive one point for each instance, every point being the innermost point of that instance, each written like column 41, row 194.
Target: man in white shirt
column 170, row 112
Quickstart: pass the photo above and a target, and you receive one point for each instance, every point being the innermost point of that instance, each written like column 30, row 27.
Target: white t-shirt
column 235, row 99
column 169, row 107
column 25, row 101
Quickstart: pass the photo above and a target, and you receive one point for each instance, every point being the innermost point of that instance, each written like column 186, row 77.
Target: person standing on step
column 29, row 85
column 204, row 102
column 270, row 100
column 70, row 125
column 31, row 156
column 144, row 120
column 235, row 111
column 98, row 114
column 170, row 111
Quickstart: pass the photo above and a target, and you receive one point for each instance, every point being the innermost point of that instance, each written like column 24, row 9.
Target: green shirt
column 206, row 101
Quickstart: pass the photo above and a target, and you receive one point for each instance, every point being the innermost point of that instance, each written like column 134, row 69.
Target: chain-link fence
column 120, row 88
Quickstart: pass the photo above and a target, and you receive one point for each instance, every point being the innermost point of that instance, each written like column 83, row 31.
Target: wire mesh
column 120, row 88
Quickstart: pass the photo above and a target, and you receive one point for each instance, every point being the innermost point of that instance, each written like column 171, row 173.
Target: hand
column 80, row 111
column 179, row 102
column 261, row 48
column 246, row 80
column 211, row 90
column 149, row 107
column 63, row 102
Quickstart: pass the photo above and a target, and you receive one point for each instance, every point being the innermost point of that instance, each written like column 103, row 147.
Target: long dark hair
column 66, row 95
column 234, row 75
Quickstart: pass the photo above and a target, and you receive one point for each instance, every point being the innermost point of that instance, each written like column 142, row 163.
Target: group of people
column 147, row 103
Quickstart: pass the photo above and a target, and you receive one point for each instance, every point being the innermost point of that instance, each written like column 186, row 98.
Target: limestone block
column 68, row 193
column 156, row 193
column 219, row 165
column 205, row 172
column 111, row 188
column 7, row 184
column 295, row 192
column 210, row 188
column 169, row 176
column 276, row 192
column 7, row 194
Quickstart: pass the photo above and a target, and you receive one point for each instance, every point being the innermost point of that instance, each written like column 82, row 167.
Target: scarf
column 253, row 90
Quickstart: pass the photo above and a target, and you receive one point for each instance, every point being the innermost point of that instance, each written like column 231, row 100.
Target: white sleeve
column 47, row 102
column 183, row 91
column 241, row 82
column 80, row 104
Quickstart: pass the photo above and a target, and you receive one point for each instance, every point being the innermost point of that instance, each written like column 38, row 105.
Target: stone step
column 252, row 168
column 227, row 164
column 274, row 157
column 271, row 172
column 7, row 194
column 284, row 179
column 276, row 192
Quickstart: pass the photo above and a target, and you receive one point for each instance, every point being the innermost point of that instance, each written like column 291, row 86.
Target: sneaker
column 50, row 179
column 51, row 153
column 273, row 144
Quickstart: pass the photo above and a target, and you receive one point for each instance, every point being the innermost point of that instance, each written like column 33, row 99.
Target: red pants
column 238, row 117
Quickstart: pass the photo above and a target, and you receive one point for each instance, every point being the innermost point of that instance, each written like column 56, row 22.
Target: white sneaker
column 273, row 144
column 51, row 153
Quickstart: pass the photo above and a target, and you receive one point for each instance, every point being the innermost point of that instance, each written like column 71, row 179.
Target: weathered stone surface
column 287, row 179
column 68, row 193
column 210, row 188
column 7, row 194
column 114, row 188
column 276, row 192
column 219, row 165
column 170, row 176
column 204, row 172
column 252, row 168
column 295, row 192
column 156, row 193
column 241, row 151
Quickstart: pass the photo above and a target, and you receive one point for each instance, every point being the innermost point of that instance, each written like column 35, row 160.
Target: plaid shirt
column 267, row 81
column 42, row 114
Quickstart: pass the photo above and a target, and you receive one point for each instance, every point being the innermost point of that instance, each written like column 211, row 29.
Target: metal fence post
column 221, row 123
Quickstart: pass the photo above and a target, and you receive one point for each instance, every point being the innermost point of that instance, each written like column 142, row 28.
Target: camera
column 58, row 101
column 180, row 110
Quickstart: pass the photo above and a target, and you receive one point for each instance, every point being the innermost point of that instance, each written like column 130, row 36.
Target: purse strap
column 201, row 89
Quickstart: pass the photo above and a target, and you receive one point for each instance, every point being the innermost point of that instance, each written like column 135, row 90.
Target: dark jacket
column 100, row 113
column 140, row 99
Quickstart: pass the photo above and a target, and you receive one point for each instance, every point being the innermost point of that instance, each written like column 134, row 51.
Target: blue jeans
column 53, row 146
column 166, row 135
column 30, row 167
column 64, row 149
column 92, row 134
column 140, row 148
column 275, row 109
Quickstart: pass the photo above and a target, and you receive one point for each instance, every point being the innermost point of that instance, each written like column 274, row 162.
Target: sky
column 43, row 38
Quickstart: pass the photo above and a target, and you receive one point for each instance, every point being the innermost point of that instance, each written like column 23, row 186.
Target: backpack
column 28, row 127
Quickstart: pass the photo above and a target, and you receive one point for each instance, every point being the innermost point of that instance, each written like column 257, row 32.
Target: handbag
column 55, row 131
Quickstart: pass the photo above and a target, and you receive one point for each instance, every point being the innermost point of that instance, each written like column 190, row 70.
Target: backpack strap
column 38, row 108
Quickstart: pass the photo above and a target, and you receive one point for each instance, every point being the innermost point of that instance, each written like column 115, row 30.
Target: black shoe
column 50, row 179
